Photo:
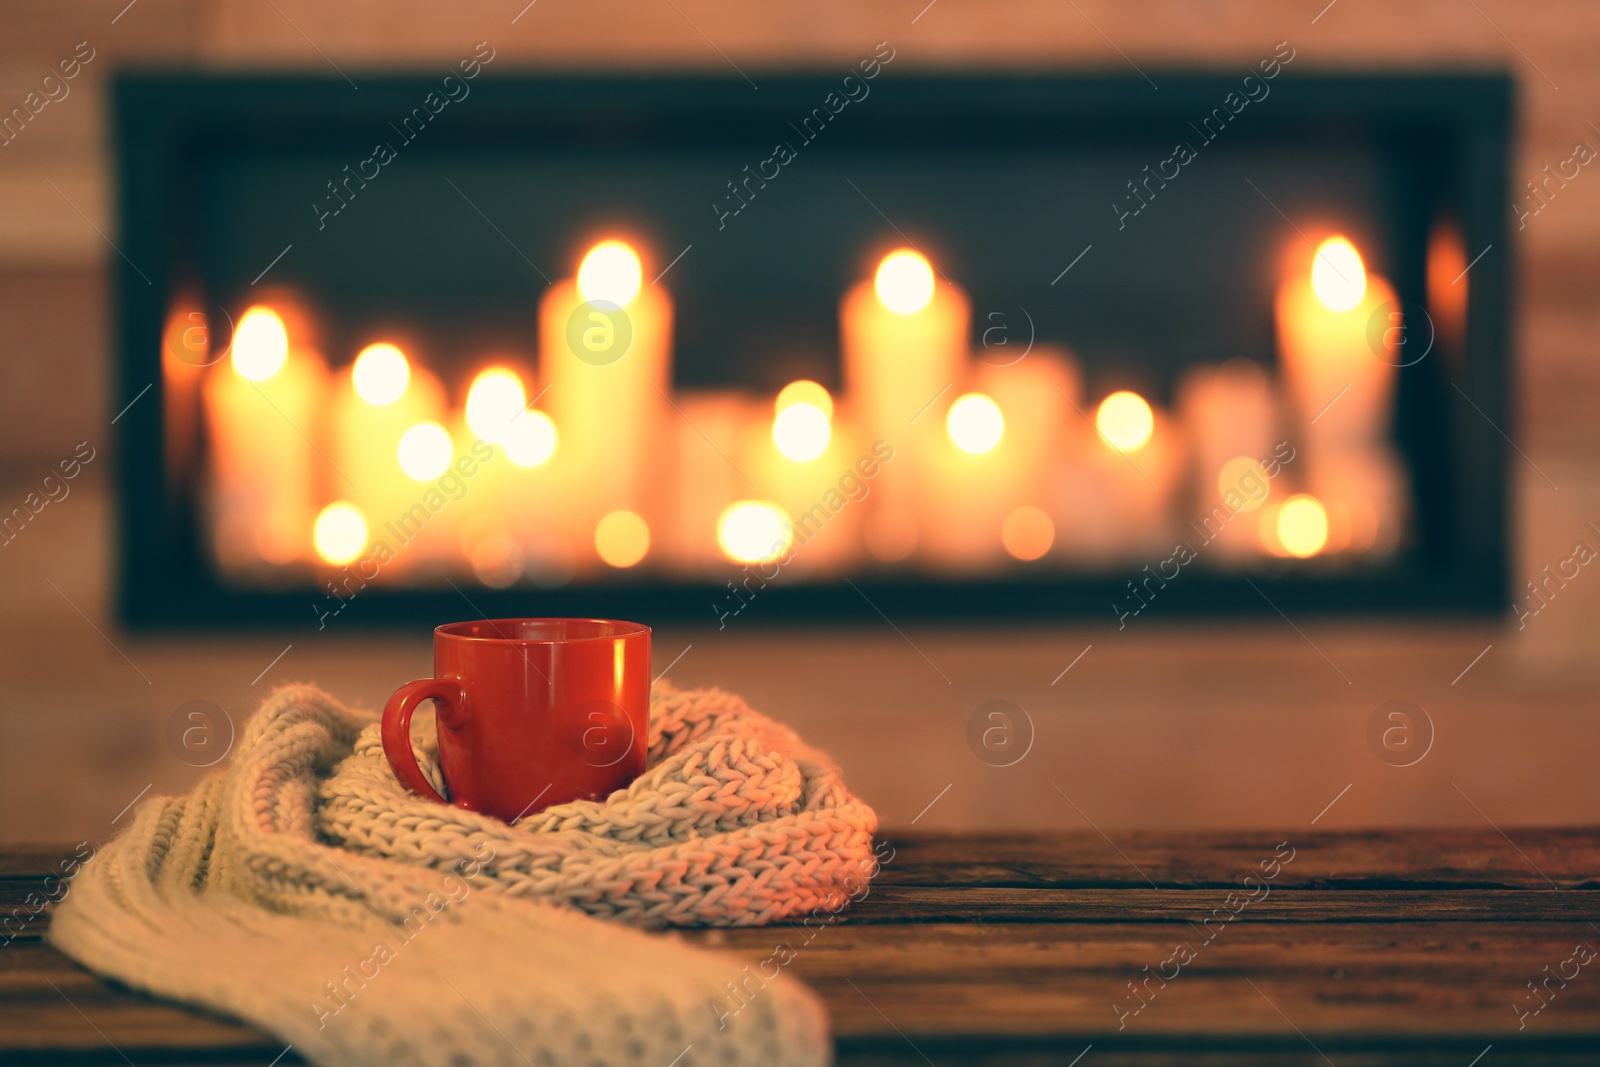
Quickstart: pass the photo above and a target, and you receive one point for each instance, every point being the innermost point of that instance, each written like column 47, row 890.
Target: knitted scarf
column 304, row 890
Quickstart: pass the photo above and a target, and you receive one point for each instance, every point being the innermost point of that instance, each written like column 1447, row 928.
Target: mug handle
column 397, row 729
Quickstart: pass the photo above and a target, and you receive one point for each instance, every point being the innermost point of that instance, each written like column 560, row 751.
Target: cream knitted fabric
column 735, row 822
column 437, row 937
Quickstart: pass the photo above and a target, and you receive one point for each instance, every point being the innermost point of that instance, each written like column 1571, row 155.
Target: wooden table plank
column 1389, row 948
column 1373, row 859
column 1062, row 979
column 913, row 904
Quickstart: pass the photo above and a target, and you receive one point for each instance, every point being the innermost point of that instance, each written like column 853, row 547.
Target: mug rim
column 457, row 630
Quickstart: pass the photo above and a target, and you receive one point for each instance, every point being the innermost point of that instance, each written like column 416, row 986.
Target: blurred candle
column 965, row 484
column 1339, row 338
column 904, row 338
column 605, row 339
column 518, row 483
column 701, row 447
column 1338, row 331
column 808, row 459
column 262, row 407
column 377, row 400
column 1134, row 464
column 1231, row 416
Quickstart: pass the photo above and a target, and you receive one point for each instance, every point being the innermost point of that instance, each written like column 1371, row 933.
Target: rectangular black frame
column 1459, row 566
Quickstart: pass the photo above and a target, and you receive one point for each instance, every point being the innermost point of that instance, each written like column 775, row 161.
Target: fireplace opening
column 936, row 346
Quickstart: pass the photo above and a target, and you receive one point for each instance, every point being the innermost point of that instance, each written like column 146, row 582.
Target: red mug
column 531, row 712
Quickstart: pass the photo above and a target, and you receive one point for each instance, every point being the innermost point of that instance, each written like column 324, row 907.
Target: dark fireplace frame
column 1458, row 566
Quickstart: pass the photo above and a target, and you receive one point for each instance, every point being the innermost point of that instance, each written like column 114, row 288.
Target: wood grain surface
column 1361, row 949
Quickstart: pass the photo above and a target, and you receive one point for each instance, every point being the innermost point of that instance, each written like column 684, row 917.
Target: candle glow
column 804, row 392
column 425, row 451
column 494, row 399
column 801, row 431
column 1027, row 533
column 754, row 531
column 610, row 272
column 340, row 533
column 260, row 344
column 1302, row 526
column 380, row 374
column 1125, row 421
column 1338, row 276
column 904, row 282
column 975, row 424
column 530, row 440
column 622, row 539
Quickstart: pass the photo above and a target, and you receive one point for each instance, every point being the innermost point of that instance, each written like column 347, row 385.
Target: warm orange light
column 340, row 533
column 801, row 431
column 493, row 400
column 804, row 392
column 260, row 344
column 975, row 424
column 622, row 538
column 610, row 272
column 890, row 534
column 904, row 282
column 425, row 451
column 1338, row 276
column 1027, row 532
column 1247, row 480
column 1125, row 421
column 754, row 531
column 530, row 439
column 1302, row 526
column 380, row 374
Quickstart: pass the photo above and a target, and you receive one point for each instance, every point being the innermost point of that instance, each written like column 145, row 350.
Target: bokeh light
column 1302, row 526
column 340, row 533
column 904, row 282
column 1027, row 532
column 425, row 451
column 975, row 424
column 530, row 439
column 493, row 400
column 1247, row 478
column 801, row 432
column 1338, row 276
column 622, row 539
column 611, row 272
column 754, row 531
column 1125, row 421
column 380, row 374
column 260, row 344
column 804, row 392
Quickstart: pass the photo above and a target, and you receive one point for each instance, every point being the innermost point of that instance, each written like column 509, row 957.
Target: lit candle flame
column 1302, row 526
column 425, row 451
column 260, row 344
column 805, row 392
column 975, row 424
column 754, row 531
column 1338, row 276
column 904, row 282
column 610, row 272
column 801, row 431
column 1125, row 421
column 380, row 374
column 495, row 398
column 340, row 533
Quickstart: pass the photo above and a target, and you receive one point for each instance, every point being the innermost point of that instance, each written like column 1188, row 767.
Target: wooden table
column 1394, row 947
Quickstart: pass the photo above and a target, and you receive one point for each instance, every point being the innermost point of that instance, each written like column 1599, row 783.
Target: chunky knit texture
column 302, row 889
